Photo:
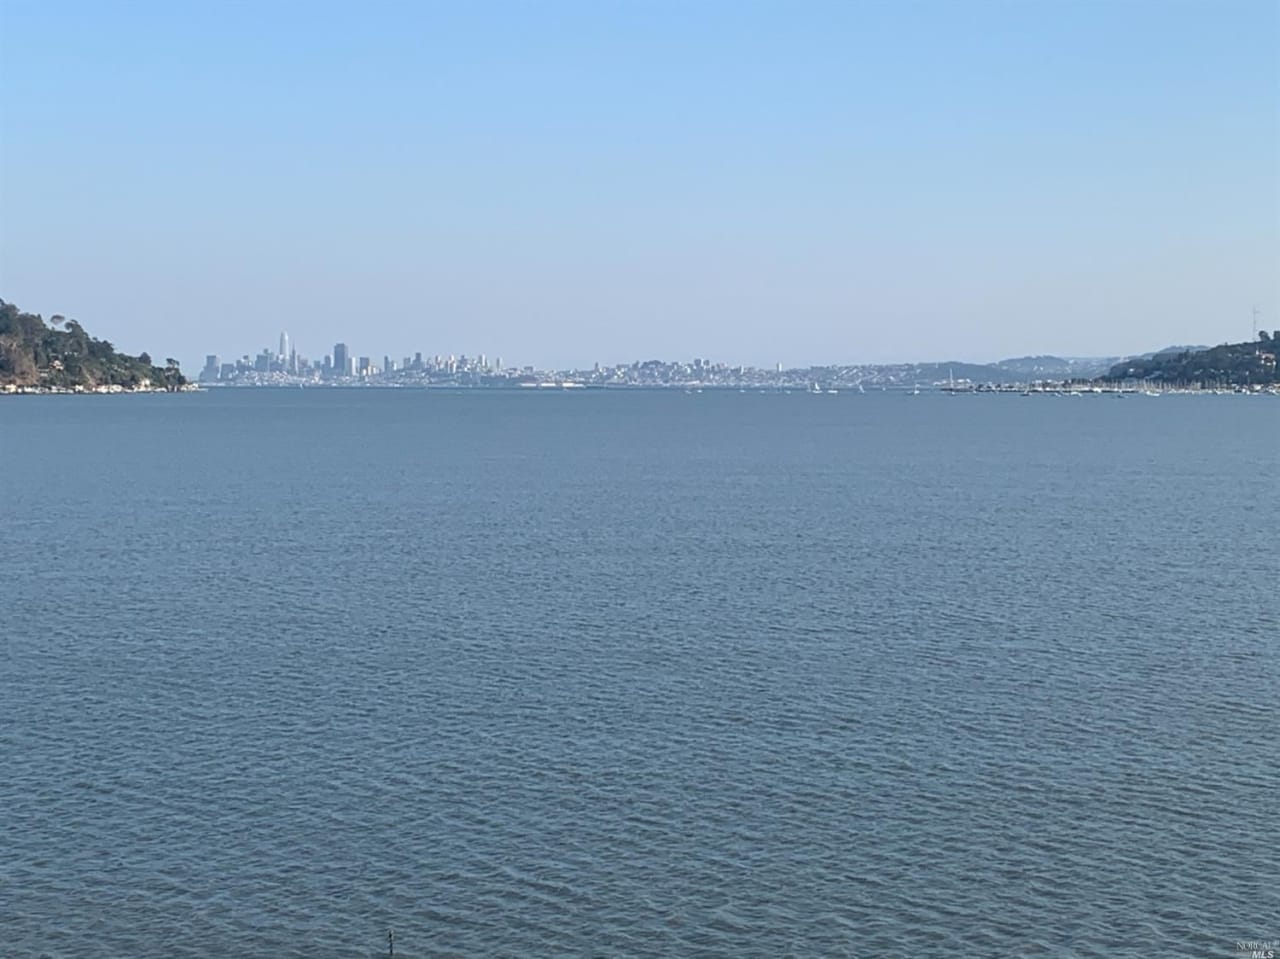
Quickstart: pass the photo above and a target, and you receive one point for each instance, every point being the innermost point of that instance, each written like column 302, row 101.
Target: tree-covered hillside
column 1231, row 364
column 61, row 354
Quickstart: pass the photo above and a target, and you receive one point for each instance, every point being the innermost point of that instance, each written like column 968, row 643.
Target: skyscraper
column 284, row 347
column 341, row 360
column 212, row 369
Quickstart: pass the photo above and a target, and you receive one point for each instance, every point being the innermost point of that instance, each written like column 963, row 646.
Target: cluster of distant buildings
column 286, row 365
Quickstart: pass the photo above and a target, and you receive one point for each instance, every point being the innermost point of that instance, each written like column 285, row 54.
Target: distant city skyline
column 573, row 182
column 341, row 361
column 1247, row 367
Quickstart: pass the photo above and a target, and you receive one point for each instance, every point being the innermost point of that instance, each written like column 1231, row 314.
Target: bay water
column 638, row 674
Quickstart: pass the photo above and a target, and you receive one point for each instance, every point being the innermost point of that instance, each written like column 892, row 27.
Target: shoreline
column 12, row 389
column 1061, row 389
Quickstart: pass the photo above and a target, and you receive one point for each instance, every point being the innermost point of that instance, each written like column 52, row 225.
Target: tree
column 64, row 354
column 1264, row 336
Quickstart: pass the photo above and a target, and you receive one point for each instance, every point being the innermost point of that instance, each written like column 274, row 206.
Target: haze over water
column 640, row 674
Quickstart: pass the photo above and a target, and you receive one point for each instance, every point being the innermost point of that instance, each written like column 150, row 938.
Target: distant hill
column 1030, row 368
column 971, row 372
column 1230, row 364
column 36, row 354
column 1167, row 351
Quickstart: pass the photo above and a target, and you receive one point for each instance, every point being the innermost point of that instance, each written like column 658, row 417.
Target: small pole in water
column 391, row 943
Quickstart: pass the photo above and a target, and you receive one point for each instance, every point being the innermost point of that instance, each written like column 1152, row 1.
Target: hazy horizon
column 566, row 183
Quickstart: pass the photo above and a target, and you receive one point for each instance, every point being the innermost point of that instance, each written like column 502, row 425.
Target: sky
column 562, row 183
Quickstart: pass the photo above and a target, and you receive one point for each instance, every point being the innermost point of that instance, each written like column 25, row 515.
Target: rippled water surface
column 597, row 674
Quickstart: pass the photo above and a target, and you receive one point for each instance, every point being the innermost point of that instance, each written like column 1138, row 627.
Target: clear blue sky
column 559, row 183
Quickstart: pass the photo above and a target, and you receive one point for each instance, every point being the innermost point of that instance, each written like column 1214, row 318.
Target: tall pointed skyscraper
column 284, row 347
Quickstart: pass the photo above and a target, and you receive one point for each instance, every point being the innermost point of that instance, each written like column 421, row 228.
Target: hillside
column 61, row 355
column 1231, row 364
column 1032, row 368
